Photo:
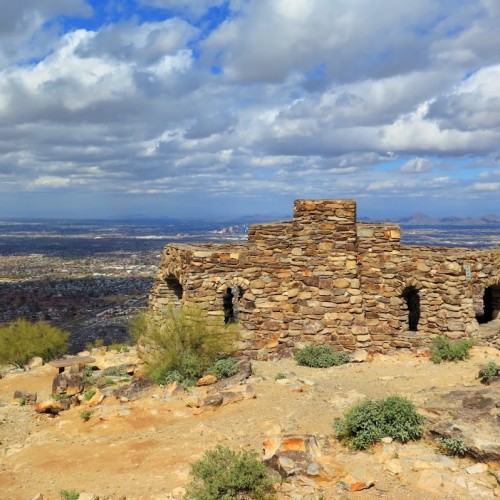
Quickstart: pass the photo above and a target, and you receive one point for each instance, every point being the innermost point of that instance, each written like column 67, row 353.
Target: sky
column 190, row 108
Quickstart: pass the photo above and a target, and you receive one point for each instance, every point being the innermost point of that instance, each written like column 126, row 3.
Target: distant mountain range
column 420, row 219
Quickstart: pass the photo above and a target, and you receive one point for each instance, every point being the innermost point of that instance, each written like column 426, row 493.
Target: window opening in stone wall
column 230, row 303
column 172, row 290
column 238, row 294
column 412, row 299
column 491, row 305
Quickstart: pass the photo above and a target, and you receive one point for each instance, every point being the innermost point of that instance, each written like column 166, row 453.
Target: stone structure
column 327, row 279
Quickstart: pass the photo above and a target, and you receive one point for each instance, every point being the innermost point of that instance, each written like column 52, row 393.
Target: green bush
column 88, row 376
column 161, row 377
column 369, row 421
column 69, row 494
column 115, row 371
column 85, row 415
column 454, row 446
column 224, row 368
column 89, row 394
column 442, row 349
column 184, row 340
column 21, row 340
column 320, row 356
column 490, row 369
column 223, row 474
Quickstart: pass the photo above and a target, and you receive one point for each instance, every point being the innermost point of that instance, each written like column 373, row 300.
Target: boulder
column 206, row 380
column 36, row 362
column 359, row 356
column 96, row 399
column 50, row 406
column 133, row 391
column 470, row 415
column 213, row 400
column 25, row 397
column 68, row 383
column 294, row 454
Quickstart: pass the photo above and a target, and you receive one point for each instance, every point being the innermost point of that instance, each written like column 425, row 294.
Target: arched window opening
column 230, row 302
column 491, row 305
column 171, row 290
column 238, row 295
column 412, row 300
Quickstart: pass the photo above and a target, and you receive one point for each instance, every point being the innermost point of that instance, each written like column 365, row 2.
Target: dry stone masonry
column 325, row 278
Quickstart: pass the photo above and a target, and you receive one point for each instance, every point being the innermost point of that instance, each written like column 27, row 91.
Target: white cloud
column 281, row 99
column 486, row 186
column 416, row 166
column 49, row 182
column 490, row 173
column 23, row 33
column 390, row 185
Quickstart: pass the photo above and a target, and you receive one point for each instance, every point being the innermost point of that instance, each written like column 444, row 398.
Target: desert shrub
column 115, row 371
column 88, row 376
column 21, row 340
column 69, row 495
column 223, row 474
column 369, row 421
column 224, row 368
column 320, row 356
column 453, row 446
column 184, row 340
column 60, row 397
column 85, row 415
column 490, row 369
column 279, row 376
column 442, row 349
column 162, row 377
column 89, row 394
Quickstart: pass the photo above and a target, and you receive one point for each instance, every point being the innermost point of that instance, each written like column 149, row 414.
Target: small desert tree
column 21, row 340
column 182, row 343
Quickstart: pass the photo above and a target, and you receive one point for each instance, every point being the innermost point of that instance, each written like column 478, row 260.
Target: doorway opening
column 491, row 305
column 412, row 299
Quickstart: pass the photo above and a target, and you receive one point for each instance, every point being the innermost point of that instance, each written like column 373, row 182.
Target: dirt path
column 142, row 449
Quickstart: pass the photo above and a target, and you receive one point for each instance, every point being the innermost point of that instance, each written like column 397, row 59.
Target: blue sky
column 212, row 107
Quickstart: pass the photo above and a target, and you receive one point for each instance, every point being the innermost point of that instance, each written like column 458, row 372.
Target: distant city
column 91, row 276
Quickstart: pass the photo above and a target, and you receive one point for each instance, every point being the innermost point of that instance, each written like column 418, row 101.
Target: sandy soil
column 142, row 449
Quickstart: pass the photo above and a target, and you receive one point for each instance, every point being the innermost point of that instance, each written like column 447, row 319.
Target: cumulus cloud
column 473, row 105
column 252, row 100
column 416, row 166
column 25, row 26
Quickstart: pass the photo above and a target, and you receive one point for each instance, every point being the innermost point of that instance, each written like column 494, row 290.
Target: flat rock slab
column 63, row 363
column 470, row 414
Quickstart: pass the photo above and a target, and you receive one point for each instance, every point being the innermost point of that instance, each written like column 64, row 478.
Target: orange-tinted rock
column 207, row 380
column 49, row 406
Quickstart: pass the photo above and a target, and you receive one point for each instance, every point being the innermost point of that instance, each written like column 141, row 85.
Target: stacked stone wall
column 324, row 278
column 379, row 258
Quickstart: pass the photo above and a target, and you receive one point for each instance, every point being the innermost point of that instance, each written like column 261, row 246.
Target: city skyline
column 201, row 109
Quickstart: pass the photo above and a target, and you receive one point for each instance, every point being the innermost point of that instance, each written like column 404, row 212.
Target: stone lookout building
column 325, row 278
